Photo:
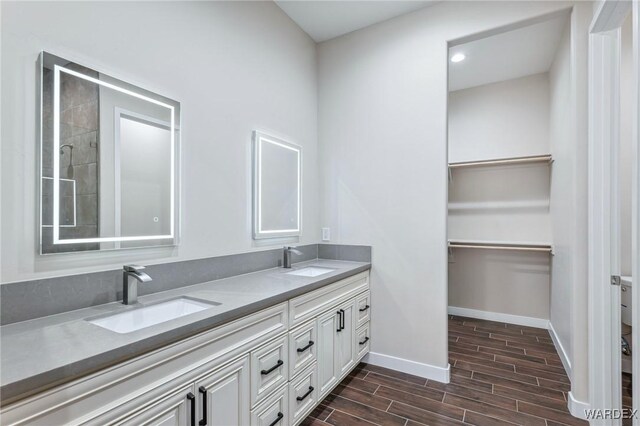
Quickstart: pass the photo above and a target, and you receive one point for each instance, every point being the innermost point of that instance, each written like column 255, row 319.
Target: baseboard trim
column 427, row 371
column 561, row 351
column 496, row 316
column 577, row 408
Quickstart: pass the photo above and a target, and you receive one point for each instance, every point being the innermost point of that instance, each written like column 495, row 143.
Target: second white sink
column 139, row 318
column 311, row 271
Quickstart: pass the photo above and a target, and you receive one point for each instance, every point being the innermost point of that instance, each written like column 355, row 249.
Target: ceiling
column 524, row 51
column 324, row 20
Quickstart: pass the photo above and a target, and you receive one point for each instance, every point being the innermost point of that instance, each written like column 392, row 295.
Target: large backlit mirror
column 108, row 161
column 276, row 187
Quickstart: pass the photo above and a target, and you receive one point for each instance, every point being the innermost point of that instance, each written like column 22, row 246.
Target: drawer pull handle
column 339, row 329
column 366, row 339
column 192, row 399
column 342, row 319
column 278, row 364
column 301, row 398
column 311, row 343
column 203, row 392
column 364, row 309
column 277, row 420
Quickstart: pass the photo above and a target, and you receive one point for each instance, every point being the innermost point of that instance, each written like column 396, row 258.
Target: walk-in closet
column 512, row 177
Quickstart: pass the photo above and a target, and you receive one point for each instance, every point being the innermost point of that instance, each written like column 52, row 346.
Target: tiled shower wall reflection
column 79, row 138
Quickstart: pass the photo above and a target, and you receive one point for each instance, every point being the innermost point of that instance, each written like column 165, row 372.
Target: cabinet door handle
column 278, row 364
column 342, row 319
column 192, row 399
column 203, row 392
column 301, row 398
column 366, row 339
column 277, row 420
column 311, row 343
column 339, row 329
column 364, row 309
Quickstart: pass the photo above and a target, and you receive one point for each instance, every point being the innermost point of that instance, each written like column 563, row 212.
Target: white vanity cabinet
column 271, row 368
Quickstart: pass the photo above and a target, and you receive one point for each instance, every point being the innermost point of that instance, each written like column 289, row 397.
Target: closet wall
column 507, row 203
column 564, row 207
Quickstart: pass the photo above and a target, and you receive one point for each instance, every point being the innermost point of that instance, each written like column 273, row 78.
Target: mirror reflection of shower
column 70, row 166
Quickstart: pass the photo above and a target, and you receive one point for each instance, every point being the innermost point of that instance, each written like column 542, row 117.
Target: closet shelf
column 502, row 245
column 503, row 161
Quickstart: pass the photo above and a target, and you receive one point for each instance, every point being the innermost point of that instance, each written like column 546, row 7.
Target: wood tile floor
column 501, row 374
column 627, row 396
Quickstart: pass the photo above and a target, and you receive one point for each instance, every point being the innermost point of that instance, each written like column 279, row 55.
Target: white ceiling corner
column 327, row 19
column 513, row 54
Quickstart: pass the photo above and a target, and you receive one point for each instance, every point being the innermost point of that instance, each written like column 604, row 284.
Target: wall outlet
column 326, row 234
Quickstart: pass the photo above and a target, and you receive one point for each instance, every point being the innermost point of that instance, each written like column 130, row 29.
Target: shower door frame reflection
column 119, row 114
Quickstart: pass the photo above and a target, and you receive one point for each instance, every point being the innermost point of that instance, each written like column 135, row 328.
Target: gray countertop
column 44, row 352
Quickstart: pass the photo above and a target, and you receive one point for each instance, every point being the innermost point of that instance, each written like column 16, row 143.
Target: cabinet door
column 173, row 410
column 345, row 339
column 327, row 327
column 224, row 396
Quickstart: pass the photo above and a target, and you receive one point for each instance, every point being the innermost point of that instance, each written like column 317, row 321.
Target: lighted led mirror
column 109, row 161
column 276, row 187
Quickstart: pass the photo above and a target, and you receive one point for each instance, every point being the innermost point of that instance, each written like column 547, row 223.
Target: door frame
column 603, row 225
column 635, row 202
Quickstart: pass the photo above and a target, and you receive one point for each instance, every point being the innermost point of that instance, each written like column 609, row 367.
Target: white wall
column 234, row 66
column 562, row 201
column 507, row 203
column 382, row 137
column 626, row 146
column 568, row 130
column 505, row 119
column 506, row 282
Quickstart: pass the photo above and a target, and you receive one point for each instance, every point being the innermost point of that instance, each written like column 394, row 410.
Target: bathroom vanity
column 251, row 348
column 267, row 349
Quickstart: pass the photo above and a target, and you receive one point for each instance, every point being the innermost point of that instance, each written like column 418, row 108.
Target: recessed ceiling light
column 458, row 57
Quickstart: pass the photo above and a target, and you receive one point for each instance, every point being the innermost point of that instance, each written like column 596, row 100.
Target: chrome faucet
column 286, row 263
column 131, row 275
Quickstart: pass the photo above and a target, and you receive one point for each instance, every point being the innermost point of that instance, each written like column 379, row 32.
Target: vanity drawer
column 309, row 305
column 274, row 410
column 362, row 341
column 303, row 347
column 363, row 303
column 269, row 368
column 303, row 394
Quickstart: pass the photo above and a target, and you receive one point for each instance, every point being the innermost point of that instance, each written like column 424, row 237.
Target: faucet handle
column 293, row 250
column 132, row 268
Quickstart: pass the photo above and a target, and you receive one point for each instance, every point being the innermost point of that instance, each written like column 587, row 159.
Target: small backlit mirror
column 276, row 187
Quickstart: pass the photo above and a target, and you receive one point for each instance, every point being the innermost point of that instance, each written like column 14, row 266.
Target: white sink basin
column 310, row 271
column 139, row 318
